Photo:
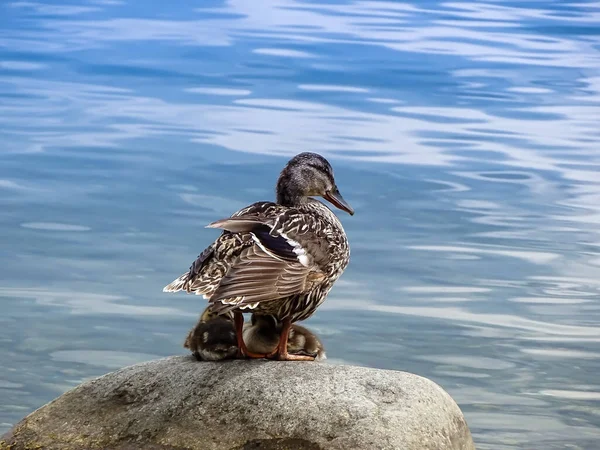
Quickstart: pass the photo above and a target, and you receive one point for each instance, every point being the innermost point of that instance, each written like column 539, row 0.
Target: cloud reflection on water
column 489, row 237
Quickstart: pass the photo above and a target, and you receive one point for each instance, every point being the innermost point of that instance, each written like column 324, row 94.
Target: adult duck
column 277, row 258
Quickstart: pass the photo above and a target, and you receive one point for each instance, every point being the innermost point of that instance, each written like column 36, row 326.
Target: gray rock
column 179, row 403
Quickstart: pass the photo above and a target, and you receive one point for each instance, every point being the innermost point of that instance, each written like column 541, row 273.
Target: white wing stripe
column 298, row 250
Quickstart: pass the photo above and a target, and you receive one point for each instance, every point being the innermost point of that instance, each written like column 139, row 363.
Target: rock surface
column 179, row 403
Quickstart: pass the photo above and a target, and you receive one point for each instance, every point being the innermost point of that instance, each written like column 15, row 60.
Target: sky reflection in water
column 465, row 135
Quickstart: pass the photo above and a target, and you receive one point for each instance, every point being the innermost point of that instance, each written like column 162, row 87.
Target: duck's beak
column 336, row 199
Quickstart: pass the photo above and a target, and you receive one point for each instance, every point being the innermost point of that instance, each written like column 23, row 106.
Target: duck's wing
column 206, row 271
column 185, row 281
column 276, row 266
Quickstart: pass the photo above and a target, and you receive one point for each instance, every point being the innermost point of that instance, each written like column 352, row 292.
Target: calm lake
column 466, row 135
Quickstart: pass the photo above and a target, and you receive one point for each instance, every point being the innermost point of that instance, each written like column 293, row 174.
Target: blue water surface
column 465, row 134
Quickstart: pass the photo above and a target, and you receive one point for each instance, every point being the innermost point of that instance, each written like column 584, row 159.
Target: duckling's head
column 208, row 315
column 265, row 323
column 309, row 174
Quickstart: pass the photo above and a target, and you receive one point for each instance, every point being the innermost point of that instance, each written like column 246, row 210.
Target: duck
column 261, row 335
column 276, row 258
column 302, row 341
column 213, row 338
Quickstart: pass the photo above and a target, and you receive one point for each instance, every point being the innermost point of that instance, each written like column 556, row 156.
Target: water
column 464, row 134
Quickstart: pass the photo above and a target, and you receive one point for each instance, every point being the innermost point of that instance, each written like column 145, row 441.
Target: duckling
column 302, row 341
column 213, row 338
column 261, row 336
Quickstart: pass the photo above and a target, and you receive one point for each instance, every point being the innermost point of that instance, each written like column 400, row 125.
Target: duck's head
column 309, row 175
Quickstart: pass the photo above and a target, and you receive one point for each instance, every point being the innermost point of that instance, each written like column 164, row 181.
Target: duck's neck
column 287, row 198
column 289, row 192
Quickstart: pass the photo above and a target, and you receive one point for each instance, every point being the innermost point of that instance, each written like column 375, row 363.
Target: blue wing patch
column 276, row 244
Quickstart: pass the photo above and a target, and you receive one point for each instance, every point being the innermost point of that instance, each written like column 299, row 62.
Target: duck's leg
column 243, row 352
column 281, row 352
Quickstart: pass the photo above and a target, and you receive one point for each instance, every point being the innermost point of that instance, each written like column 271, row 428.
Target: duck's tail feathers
column 227, row 306
column 179, row 284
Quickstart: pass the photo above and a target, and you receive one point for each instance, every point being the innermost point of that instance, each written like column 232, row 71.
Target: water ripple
column 465, row 134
